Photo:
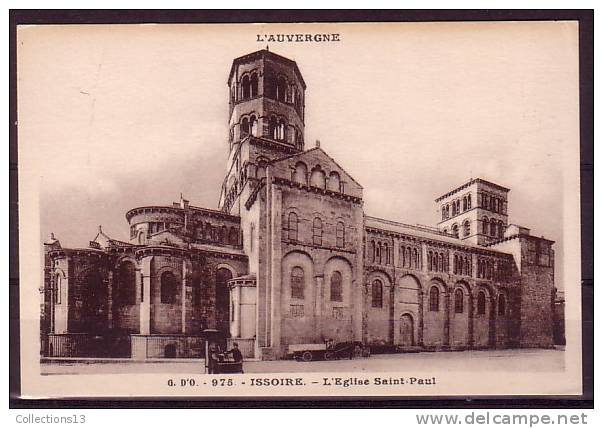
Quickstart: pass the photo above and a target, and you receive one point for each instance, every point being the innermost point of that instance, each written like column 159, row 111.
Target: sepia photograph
column 350, row 209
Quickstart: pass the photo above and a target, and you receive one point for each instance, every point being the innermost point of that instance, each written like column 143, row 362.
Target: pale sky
column 114, row 117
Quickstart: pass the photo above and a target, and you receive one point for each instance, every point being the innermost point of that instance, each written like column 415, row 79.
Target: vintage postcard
column 257, row 210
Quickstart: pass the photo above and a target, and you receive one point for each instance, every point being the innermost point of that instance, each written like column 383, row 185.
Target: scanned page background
column 112, row 117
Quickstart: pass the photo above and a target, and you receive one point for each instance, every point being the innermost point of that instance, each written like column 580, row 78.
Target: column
column 318, row 295
column 421, row 325
column 392, row 309
column 318, row 299
column 274, row 240
column 471, row 318
column 145, row 294
column 424, row 258
column 238, row 291
column 110, row 299
column 62, row 310
column 183, row 305
column 447, row 317
column 492, row 321
column 395, row 253
column 267, row 250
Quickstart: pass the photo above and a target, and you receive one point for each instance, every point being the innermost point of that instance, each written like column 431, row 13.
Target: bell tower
column 266, row 109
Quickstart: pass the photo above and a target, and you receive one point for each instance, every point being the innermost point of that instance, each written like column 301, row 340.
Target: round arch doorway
column 407, row 331
column 223, row 275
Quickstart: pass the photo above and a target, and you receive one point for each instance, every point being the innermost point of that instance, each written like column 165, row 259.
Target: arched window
column 253, row 126
column 455, row 266
column 246, row 86
column 447, row 211
column 297, row 283
column 340, row 234
column 455, row 230
column 434, row 299
column 292, row 223
column 222, row 305
column 301, row 173
column 244, row 127
column 485, row 226
column 377, row 294
column 57, row 289
column 317, row 231
column 501, row 229
column 466, row 228
column 458, row 301
column 373, row 250
column 502, row 305
column 408, row 257
column 441, row 262
column 334, row 181
column 254, row 85
column 469, row 201
column 281, row 89
column 443, row 213
column 168, row 287
column 127, row 283
column 481, row 303
column 430, row 260
column 417, row 264
column 280, row 135
column 493, row 227
column 273, row 128
column 336, row 287
column 464, row 203
column 453, row 209
column 317, row 178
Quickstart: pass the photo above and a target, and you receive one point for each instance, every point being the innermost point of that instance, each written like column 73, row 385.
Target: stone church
column 290, row 257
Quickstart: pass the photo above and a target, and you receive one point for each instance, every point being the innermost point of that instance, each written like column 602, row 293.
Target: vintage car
column 329, row 350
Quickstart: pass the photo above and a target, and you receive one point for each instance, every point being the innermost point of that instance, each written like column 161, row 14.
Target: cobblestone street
column 516, row 360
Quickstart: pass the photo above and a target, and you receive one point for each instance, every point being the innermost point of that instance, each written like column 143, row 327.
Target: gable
column 312, row 164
